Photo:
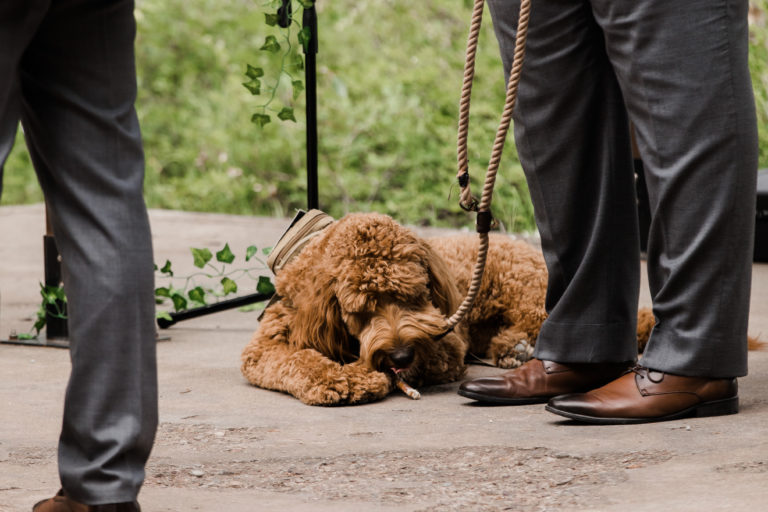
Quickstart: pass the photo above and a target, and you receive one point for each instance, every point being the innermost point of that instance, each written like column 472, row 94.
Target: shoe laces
column 644, row 372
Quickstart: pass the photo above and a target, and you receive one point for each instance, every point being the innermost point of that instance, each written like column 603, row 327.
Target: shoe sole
column 713, row 408
column 488, row 399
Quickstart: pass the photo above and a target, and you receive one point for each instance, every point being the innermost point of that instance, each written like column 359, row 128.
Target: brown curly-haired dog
column 367, row 296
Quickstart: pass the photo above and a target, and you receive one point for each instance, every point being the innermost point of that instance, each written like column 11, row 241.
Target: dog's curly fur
column 367, row 295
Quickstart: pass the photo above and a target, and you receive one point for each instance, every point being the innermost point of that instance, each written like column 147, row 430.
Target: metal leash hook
column 484, row 220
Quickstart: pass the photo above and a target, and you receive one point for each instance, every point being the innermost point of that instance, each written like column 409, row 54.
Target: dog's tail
column 755, row 343
column 645, row 323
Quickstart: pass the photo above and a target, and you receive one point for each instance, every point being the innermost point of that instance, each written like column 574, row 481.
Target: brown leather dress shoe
column 62, row 503
column 644, row 395
column 537, row 381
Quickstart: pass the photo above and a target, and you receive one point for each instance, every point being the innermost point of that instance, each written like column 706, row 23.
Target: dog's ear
column 318, row 324
column 445, row 295
column 309, row 284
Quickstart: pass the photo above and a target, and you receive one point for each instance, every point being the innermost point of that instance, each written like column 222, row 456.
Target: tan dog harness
column 304, row 227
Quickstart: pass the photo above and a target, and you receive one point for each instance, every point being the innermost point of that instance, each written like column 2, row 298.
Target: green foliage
column 389, row 76
column 53, row 303
column 388, row 84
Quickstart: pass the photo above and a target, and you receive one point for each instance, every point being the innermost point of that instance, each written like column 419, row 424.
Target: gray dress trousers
column 67, row 72
column 678, row 71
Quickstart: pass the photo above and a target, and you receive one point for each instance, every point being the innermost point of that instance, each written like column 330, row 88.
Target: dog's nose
column 402, row 357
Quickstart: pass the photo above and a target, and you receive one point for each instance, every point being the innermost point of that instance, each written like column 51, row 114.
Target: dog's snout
column 402, row 357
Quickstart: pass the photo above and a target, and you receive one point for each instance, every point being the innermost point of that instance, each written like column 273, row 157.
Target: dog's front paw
column 329, row 392
column 320, row 382
column 365, row 385
column 513, row 356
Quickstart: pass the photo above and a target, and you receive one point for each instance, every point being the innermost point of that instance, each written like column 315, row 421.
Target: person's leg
column 684, row 72
column 683, row 68
column 78, row 87
column 573, row 140
column 572, row 137
column 18, row 23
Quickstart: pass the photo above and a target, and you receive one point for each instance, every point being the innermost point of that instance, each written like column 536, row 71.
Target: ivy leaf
column 225, row 255
column 162, row 292
column 164, row 315
column 49, row 297
column 42, row 319
column 201, row 256
column 167, row 268
column 271, row 19
column 265, row 285
column 250, row 252
column 260, row 120
column 305, row 36
column 229, row 285
column 254, row 86
column 298, row 88
column 286, row 114
column 197, row 294
column 267, row 250
column 271, row 45
column 297, row 62
column 253, row 72
column 52, row 294
column 179, row 302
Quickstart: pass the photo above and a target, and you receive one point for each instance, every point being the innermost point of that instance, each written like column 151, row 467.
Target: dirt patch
column 30, row 456
column 197, row 437
column 481, row 478
column 758, row 466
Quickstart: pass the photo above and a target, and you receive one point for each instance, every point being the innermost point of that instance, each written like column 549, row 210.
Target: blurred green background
column 389, row 76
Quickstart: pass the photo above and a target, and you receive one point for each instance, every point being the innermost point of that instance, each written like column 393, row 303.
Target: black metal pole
column 310, row 78
column 55, row 327
column 245, row 300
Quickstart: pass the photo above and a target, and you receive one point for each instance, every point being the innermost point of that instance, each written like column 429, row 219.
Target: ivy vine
column 213, row 282
column 291, row 62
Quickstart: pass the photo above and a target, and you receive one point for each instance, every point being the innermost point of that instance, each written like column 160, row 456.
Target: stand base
column 40, row 341
column 43, row 341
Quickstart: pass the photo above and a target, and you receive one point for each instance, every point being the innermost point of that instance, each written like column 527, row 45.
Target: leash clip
column 471, row 207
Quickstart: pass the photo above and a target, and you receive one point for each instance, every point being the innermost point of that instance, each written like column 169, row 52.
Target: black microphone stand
column 310, row 81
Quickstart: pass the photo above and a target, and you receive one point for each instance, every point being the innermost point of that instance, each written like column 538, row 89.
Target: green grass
column 389, row 75
column 758, row 64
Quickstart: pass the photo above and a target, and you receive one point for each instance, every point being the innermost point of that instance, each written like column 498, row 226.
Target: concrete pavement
column 225, row 446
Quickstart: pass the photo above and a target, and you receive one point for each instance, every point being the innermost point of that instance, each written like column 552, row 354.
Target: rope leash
column 467, row 202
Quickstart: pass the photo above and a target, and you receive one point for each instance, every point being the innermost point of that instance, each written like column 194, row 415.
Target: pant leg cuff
column 696, row 357
column 590, row 343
